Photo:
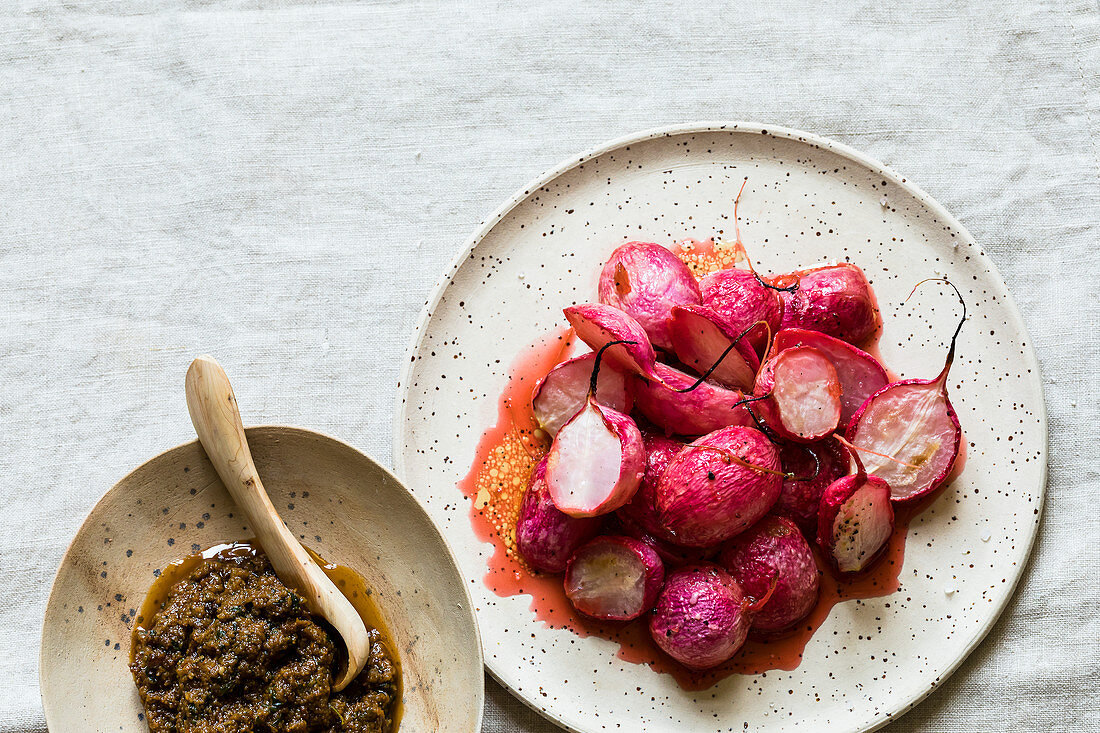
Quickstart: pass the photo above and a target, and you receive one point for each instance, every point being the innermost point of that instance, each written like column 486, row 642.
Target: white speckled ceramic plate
column 807, row 200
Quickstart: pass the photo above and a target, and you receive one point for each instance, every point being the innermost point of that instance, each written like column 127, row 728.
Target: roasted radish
column 718, row 486
column 860, row 374
column 834, row 299
column 645, row 280
column 855, row 520
column 597, row 459
column 697, row 412
column 546, row 536
column 908, row 433
column 614, row 578
column 642, row 509
column 740, row 298
column 702, row 616
column 810, row 469
column 701, row 340
column 598, row 325
column 803, row 394
column 563, row 391
column 774, row 552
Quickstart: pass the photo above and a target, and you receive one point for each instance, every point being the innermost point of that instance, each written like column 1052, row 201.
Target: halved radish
column 860, row 374
column 645, row 280
column 740, row 298
column 700, row 338
column 810, row 469
column 834, row 299
column 702, row 616
column 718, row 486
column 803, row 394
column 909, row 432
column 545, row 536
column 614, row 578
column 563, row 391
column 596, row 462
column 774, row 552
column 702, row 410
column 598, row 325
column 855, row 521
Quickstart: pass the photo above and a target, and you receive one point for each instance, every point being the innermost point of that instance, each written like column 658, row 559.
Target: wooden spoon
column 217, row 421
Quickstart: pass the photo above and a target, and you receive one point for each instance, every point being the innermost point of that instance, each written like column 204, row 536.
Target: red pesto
column 508, row 452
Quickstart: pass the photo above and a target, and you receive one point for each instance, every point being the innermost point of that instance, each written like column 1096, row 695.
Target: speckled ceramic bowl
column 340, row 502
column 807, row 200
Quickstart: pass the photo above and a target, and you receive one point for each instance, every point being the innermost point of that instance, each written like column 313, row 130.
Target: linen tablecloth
column 281, row 184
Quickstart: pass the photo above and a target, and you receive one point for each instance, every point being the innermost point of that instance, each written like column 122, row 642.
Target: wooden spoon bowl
column 336, row 500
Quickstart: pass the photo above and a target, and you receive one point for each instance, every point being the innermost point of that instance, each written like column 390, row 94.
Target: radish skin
column 598, row 325
column 545, row 536
column 563, row 391
column 703, row 410
column 800, row 496
column 701, row 618
column 740, row 299
column 614, row 578
column 773, row 551
column 646, row 281
column 699, row 340
column 642, row 509
column 833, row 299
column 860, row 374
column 708, row 494
column 596, row 462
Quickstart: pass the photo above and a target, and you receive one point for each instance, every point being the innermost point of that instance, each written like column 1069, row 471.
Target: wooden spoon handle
column 213, row 408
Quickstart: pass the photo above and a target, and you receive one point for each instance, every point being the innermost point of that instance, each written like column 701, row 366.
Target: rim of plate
column 392, row 474
column 780, row 131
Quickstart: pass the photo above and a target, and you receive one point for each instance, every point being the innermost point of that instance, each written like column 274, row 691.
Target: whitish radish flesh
column 855, row 521
column 596, row 461
column 700, row 339
column 909, row 433
column 563, row 391
column 774, row 552
column 803, row 393
column 546, row 536
column 702, row 410
column 645, row 280
column 860, row 374
column 614, row 578
column 702, row 616
column 598, row 325
column 718, row 486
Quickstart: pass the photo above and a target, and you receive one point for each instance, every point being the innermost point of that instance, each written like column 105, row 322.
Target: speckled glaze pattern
column 336, row 500
column 807, row 201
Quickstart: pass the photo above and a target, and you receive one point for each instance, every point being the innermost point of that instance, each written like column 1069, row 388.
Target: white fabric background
column 281, row 183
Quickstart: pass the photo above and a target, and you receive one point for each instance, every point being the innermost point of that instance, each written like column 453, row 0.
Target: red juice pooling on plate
column 508, row 453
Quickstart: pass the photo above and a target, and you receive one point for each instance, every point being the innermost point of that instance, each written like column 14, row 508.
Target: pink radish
column 642, row 509
column 597, row 459
column 860, row 374
column 810, row 469
column 833, row 299
column 614, row 578
column 909, row 432
column 563, row 391
column 773, row 551
column 645, row 280
column 702, row 616
column 666, row 402
column 803, row 394
column 855, row 520
column 672, row 554
column 598, row 325
column 700, row 338
column 718, row 486
column 740, row 298
column 547, row 537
